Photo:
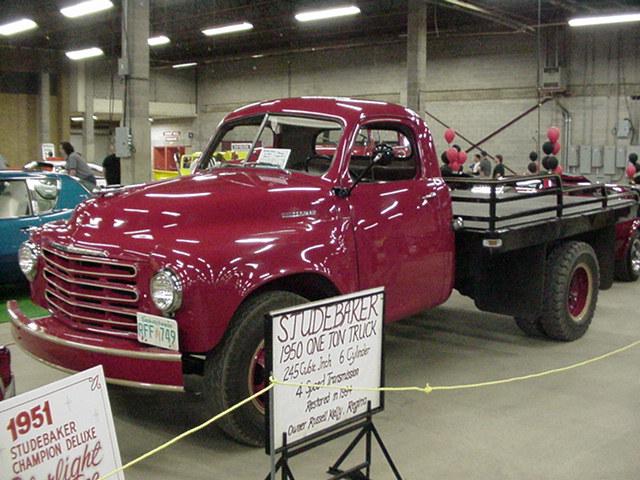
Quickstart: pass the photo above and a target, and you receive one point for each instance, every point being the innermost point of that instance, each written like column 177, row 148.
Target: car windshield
column 295, row 143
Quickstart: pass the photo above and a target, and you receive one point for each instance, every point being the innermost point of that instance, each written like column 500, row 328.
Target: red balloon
column 631, row 170
column 452, row 155
column 553, row 134
column 462, row 157
column 556, row 148
column 559, row 170
column 449, row 135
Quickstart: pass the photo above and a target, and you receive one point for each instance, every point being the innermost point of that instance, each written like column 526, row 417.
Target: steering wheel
column 386, row 153
column 315, row 156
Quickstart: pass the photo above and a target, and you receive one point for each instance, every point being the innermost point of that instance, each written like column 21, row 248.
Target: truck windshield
column 285, row 142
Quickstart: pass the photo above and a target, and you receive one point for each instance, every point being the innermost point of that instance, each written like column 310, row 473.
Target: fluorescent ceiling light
column 86, row 8
column 159, row 40
column 257, row 55
column 185, row 65
column 327, row 13
column 468, row 6
column 81, row 119
column 18, row 26
column 236, row 27
column 85, row 53
column 604, row 20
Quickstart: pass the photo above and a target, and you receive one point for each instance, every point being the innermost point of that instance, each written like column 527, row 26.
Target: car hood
column 187, row 210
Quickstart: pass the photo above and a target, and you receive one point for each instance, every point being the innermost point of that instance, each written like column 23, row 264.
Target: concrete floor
column 583, row 424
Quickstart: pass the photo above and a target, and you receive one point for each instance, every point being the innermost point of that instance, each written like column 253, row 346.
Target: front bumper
column 124, row 361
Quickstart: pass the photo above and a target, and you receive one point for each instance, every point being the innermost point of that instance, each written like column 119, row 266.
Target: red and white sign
column 61, row 431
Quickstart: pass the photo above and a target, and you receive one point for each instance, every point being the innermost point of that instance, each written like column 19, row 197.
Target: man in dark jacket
column 111, row 165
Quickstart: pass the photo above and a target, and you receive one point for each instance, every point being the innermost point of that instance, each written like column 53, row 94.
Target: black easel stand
column 367, row 431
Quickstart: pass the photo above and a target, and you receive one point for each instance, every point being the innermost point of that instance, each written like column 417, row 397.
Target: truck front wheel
column 571, row 291
column 236, row 370
column 628, row 268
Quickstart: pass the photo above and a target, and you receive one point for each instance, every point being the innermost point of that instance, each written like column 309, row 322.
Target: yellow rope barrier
column 426, row 390
column 187, row 433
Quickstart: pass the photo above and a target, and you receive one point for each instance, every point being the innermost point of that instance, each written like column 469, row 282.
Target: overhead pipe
column 566, row 134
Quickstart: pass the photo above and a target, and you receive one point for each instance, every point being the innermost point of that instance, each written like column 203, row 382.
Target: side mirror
column 382, row 155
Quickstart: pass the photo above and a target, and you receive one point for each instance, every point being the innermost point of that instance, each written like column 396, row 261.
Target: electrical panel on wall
column 584, row 157
column 123, row 142
column 609, row 161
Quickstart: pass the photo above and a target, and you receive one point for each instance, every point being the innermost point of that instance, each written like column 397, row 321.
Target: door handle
column 429, row 196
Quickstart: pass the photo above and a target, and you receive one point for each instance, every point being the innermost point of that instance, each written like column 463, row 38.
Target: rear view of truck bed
column 537, row 250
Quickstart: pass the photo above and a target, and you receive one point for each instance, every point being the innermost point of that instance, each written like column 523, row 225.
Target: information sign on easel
column 334, row 342
column 63, row 430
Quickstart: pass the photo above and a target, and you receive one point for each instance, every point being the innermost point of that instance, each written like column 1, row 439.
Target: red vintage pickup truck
column 334, row 195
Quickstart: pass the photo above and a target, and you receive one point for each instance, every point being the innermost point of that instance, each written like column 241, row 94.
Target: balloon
column 631, row 170
column 449, row 135
column 559, row 170
column 633, row 158
column 452, row 155
column 553, row 163
column 545, row 163
column 455, row 167
column 556, row 148
column 533, row 156
column 553, row 134
column 547, row 147
column 462, row 157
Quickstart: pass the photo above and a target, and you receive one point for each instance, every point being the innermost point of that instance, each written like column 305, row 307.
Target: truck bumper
column 124, row 361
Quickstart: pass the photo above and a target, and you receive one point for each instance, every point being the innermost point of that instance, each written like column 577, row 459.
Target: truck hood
column 236, row 201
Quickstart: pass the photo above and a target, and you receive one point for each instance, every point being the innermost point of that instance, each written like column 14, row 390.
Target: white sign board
column 275, row 156
column 48, row 150
column 63, row 430
column 336, row 342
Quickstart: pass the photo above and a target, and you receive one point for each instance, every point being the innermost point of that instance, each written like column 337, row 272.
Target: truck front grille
column 91, row 291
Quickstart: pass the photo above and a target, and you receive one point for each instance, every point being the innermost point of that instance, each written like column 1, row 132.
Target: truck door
column 398, row 232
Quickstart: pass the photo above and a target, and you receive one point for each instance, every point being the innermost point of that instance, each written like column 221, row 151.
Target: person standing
column 498, row 170
column 77, row 167
column 111, row 165
column 485, row 165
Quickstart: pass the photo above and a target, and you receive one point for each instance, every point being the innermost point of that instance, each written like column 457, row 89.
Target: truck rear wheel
column 571, row 291
column 530, row 326
column 237, row 370
column 628, row 268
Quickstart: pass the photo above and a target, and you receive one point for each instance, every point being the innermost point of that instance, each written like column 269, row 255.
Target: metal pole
column 272, row 439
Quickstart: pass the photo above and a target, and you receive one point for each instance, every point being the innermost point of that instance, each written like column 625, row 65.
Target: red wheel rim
column 579, row 292
column 258, row 376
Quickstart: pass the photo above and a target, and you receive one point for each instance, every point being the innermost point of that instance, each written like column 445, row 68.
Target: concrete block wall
column 476, row 84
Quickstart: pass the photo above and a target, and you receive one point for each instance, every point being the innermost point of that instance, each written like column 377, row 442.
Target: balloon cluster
column 632, row 166
column 454, row 154
column 551, row 149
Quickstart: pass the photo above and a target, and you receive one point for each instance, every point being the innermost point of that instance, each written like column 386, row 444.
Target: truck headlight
column 28, row 259
column 166, row 291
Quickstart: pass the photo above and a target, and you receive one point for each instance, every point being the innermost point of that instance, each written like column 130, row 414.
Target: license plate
column 159, row 331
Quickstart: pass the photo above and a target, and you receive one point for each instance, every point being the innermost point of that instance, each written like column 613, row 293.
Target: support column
column 44, row 101
column 416, row 53
column 136, row 56
column 88, row 133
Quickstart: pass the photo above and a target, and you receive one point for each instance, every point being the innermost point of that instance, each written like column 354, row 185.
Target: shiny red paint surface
column 624, row 233
column 233, row 231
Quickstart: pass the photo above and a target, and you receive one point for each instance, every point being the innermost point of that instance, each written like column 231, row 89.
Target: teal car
column 29, row 200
